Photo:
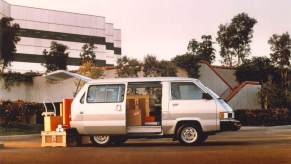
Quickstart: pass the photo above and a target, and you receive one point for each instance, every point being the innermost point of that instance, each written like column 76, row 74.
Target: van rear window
column 105, row 93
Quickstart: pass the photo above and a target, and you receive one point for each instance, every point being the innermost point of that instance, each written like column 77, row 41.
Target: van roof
column 141, row 79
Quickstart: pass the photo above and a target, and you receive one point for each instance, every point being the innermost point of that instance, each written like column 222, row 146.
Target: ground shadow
column 175, row 144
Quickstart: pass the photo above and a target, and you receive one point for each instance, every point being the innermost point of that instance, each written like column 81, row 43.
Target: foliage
column 87, row 53
column 270, row 117
column 15, row 78
column 168, row 69
column 281, row 49
column 127, row 67
column 151, row 66
column 235, row 38
column 258, row 69
column 281, row 56
column 273, row 96
column 203, row 49
column 8, row 40
column 18, row 111
column 89, row 69
column 154, row 68
column 56, row 58
column 189, row 62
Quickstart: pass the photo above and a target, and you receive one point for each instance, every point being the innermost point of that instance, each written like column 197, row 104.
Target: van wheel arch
column 194, row 122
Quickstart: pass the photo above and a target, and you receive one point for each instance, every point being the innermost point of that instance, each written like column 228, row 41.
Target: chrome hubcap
column 101, row 139
column 189, row 135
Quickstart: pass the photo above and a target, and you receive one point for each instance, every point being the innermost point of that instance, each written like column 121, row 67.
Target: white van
column 111, row 111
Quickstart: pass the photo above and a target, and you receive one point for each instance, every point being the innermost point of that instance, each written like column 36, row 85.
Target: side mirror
column 206, row 96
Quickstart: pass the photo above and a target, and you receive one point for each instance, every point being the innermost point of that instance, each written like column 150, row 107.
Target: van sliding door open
column 143, row 107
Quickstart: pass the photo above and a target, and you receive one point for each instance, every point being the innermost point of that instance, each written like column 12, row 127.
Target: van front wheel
column 189, row 134
column 100, row 140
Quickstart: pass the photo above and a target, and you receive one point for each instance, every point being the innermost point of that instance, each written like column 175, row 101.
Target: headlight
column 225, row 115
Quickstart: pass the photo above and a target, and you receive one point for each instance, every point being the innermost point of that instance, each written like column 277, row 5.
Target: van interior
column 143, row 107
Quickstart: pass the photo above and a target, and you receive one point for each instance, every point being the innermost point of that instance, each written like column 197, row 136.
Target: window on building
column 185, row 91
column 105, row 93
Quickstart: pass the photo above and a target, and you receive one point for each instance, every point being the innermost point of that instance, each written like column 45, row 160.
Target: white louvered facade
column 41, row 26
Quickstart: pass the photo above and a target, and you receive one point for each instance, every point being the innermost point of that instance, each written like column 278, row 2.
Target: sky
column 164, row 27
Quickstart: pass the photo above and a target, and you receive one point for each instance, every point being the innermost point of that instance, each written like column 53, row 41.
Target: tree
column 8, row 40
column 273, row 96
column 154, row 68
column 204, row 50
column 235, row 38
column 168, row 69
column 127, row 67
column 56, row 58
column 189, row 62
column 281, row 56
column 87, row 53
column 258, row 69
column 151, row 66
column 89, row 69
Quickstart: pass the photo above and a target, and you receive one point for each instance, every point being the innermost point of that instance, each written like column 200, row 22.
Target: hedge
column 19, row 112
column 270, row 117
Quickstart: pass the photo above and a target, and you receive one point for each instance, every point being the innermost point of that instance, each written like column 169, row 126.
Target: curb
column 18, row 137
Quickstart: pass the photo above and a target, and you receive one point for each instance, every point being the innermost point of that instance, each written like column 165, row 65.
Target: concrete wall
column 41, row 90
column 246, row 98
column 210, row 79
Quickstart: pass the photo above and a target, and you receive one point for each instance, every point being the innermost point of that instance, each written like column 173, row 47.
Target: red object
column 67, row 112
column 149, row 119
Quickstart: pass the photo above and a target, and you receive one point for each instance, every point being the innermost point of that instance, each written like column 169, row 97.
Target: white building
column 41, row 26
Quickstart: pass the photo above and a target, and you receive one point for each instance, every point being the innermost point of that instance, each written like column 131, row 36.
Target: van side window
column 185, row 91
column 105, row 93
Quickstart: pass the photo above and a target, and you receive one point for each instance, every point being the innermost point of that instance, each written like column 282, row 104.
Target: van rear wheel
column 100, row 140
column 190, row 134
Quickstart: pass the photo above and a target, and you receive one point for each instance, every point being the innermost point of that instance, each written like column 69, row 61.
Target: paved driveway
column 251, row 145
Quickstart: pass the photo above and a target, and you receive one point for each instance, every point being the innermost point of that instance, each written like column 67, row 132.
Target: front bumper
column 230, row 125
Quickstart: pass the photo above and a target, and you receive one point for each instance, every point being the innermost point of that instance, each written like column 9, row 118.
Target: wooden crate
column 53, row 139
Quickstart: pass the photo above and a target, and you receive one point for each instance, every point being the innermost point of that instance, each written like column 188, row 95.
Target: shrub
column 269, row 117
column 18, row 112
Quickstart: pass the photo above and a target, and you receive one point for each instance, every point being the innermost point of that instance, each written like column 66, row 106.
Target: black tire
column 118, row 140
column 101, row 142
column 203, row 138
column 190, row 134
column 73, row 138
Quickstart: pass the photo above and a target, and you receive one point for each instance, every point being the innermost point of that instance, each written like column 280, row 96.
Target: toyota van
column 111, row 111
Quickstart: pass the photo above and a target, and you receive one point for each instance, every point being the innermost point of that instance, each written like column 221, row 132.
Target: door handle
column 175, row 104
